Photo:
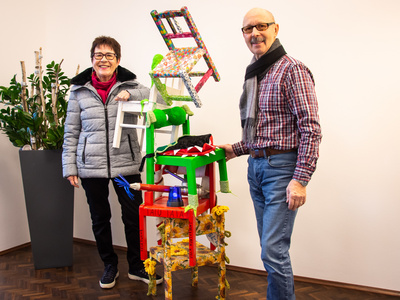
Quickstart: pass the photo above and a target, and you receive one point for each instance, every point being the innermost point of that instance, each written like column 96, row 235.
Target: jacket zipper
column 107, row 128
column 107, row 145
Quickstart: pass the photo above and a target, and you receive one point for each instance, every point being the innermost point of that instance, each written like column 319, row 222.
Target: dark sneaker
column 109, row 276
column 143, row 276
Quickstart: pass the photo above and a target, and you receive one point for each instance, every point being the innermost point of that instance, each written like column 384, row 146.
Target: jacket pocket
column 130, row 147
column 84, row 152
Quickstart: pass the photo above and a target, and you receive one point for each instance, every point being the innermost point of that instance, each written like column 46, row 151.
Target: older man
column 281, row 133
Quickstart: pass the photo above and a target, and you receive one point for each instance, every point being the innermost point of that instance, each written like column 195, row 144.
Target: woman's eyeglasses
column 99, row 56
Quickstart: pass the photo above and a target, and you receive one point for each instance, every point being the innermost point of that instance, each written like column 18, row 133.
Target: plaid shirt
column 288, row 115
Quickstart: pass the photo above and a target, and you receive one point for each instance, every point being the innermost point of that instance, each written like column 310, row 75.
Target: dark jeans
column 97, row 192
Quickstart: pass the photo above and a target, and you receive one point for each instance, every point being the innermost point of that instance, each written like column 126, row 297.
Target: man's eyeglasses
column 259, row 27
column 99, row 56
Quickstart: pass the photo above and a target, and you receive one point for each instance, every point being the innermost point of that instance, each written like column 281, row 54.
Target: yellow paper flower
column 150, row 266
column 219, row 209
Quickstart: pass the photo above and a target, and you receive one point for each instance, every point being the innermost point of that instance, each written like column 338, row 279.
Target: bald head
column 259, row 38
column 258, row 12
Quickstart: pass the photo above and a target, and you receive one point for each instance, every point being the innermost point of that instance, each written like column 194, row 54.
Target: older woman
column 88, row 153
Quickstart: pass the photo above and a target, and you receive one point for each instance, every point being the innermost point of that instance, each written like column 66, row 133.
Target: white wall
column 18, row 41
column 348, row 230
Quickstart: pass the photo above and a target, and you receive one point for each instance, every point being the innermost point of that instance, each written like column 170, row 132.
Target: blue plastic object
column 175, row 197
column 124, row 184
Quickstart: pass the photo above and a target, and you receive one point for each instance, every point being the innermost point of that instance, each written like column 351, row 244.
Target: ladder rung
column 163, row 131
column 169, row 14
column 191, row 74
column 196, row 74
column 179, row 35
column 133, row 126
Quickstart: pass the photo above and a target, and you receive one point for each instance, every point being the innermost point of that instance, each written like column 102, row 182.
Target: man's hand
column 123, row 96
column 295, row 194
column 228, row 151
column 73, row 180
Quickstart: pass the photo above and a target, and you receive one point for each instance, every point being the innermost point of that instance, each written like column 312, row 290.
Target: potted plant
column 33, row 119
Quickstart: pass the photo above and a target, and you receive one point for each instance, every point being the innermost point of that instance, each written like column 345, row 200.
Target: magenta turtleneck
column 103, row 88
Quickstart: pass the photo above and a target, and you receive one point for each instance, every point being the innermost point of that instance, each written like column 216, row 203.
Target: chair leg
column 152, row 289
column 167, row 258
column 167, row 283
column 195, row 276
column 142, row 234
column 222, row 279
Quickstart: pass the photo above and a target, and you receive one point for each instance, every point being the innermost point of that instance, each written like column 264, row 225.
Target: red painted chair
column 172, row 254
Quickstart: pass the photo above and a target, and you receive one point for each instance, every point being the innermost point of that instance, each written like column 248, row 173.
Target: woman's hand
column 123, row 96
column 73, row 180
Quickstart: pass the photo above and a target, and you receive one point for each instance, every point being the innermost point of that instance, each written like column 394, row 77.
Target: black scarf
column 264, row 63
column 249, row 99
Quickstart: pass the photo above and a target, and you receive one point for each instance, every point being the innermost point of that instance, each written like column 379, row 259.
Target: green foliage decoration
column 42, row 128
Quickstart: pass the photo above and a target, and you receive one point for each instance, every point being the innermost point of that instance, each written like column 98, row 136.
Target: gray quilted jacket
column 89, row 129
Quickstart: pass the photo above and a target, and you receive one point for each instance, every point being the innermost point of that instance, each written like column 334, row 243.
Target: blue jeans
column 268, row 179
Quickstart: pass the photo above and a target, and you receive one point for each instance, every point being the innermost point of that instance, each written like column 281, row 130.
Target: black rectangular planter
column 50, row 207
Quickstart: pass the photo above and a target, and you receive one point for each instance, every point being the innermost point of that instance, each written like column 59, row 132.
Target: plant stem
column 23, row 87
column 38, row 67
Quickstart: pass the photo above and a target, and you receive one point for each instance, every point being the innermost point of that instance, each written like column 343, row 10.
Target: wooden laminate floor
column 19, row 280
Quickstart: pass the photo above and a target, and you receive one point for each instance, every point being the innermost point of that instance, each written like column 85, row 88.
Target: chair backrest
column 171, row 17
column 180, row 61
column 161, row 118
column 206, row 224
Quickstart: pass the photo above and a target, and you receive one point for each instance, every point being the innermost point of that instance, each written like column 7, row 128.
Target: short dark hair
column 106, row 40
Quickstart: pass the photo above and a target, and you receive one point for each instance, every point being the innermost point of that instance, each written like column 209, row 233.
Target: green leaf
column 19, row 125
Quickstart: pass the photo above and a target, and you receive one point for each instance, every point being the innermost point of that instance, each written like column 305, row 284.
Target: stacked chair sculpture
column 188, row 210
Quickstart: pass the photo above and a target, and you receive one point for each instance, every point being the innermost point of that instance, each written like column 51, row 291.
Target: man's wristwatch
column 302, row 182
